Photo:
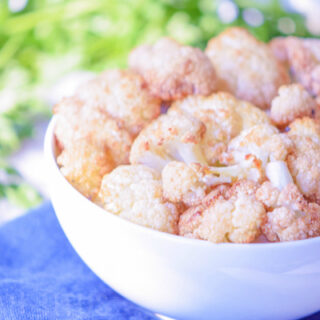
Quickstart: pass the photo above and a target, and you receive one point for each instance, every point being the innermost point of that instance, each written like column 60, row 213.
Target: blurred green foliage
column 50, row 38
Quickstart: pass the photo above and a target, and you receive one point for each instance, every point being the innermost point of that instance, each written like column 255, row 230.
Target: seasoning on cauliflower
column 84, row 164
column 292, row 102
column 134, row 192
column 188, row 183
column 246, row 67
column 303, row 59
column 224, row 116
column 304, row 158
column 75, row 121
column 174, row 71
column 289, row 215
column 124, row 96
column 227, row 214
column 168, row 138
column 261, row 141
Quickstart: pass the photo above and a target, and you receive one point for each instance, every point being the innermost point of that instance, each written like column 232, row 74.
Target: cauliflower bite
column 77, row 121
column 224, row 117
column 172, row 70
column 289, row 215
column 168, row 138
column 303, row 58
column 227, row 214
column 292, row 102
column 84, row 164
column 134, row 192
column 304, row 159
column 263, row 141
column 122, row 94
column 246, row 67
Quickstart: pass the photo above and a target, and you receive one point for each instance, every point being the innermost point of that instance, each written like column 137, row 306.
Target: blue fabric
column 41, row 276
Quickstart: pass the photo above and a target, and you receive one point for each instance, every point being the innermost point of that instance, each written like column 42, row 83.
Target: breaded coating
column 124, row 96
column 168, row 138
column 262, row 141
column 224, row 116
column 305, row 127
column 84, row 164
column 77, row 121
column 183, row 183
column 174, row 71
column 246, row 67
column 303, row 58
column 303, row 161
column 134, row 192
column 289, row 215
column 292, row 102
column 227, row 214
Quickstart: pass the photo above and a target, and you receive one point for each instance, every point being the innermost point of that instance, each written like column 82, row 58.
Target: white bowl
column 185, row 278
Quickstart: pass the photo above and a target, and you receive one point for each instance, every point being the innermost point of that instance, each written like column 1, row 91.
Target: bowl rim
column 53, row 167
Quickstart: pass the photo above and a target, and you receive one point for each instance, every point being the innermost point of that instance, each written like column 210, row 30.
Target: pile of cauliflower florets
column 221, row 145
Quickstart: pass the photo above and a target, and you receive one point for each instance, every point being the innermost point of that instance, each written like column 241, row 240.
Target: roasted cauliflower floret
column 246, row 67
column 304, row 159
column 172, row 70
column 134, row 192
column 183, row 183
column 84, row 164
column 75, row 121
column 124, row 96
column 289, row 215
column 303, row 59
column 224, row 117
column 168, row 138
column 227, row 214
column 261, row 141
column 292, row 102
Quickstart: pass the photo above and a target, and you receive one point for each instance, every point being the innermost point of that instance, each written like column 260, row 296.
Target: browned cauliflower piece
column 289, row 215
column 124, row 96
column 303, row 161
column 292, row 102
column 224, row 116
column 168, row 138
column 134, row 192
column 227, row 214
column 264, row 142
column 84, row 164
column 278, row 48
column 77, row 121
column 174, row 71
column 183, row 183
column 303, row 58
column 246, row 67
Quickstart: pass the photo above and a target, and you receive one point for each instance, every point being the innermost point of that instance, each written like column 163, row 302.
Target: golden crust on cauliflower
column 224, row 117
column 172, row 70
column 246, row 67
column 77, row 121
column 84, row 164
column 124, row 96
column 303, row 161
column 134, row 192
column 262, row 141
column 292, row 102
column 168, row 138
column 289, row 215
column 227, row 214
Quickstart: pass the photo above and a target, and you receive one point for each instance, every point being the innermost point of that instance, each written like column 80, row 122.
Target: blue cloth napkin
column 41, row 276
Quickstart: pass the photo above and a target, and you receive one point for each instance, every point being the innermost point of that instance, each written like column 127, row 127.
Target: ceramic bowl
column 186, row 278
